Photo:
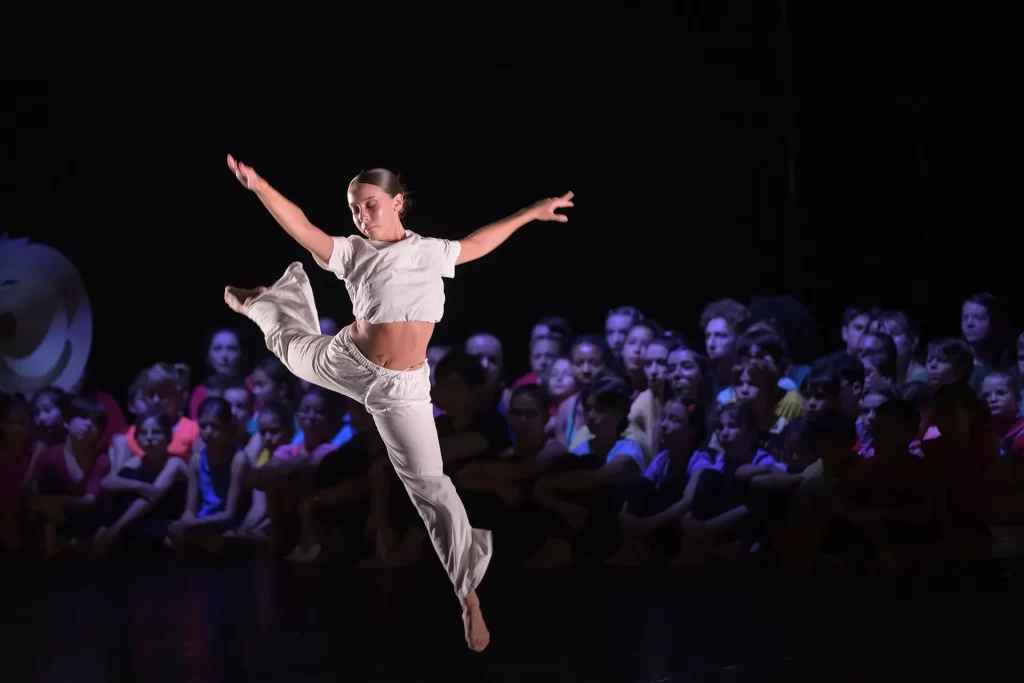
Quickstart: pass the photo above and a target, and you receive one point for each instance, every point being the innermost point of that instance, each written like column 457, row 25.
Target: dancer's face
column 375, row 212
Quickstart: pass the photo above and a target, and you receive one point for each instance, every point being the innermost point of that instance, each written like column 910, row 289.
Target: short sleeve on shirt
column 628, row 448
column 341, row 257
column 449, row 251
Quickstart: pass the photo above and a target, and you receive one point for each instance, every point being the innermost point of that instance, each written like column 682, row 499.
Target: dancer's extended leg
column 408, row 431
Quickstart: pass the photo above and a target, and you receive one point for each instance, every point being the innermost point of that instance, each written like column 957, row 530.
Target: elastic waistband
column 384, row 373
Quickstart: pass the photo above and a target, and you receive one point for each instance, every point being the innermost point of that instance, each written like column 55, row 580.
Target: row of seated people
column 315, row 482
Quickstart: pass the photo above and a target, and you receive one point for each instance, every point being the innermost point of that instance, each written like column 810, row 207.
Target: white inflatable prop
column 45, row 318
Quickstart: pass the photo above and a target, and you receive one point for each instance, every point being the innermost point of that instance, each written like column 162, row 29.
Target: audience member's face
column 849, row 397
column 901, row 337
column 872, row 376
column 853, row 331
column 152, row 439
column 1003, row 404
column 1020, row 354
column 869, row 342
column 746, row 387
column 165, row 394
column 538, row 332
column 138, row 404
column 719, row 338
column 225, row 353
column 313, row 416
column 273, row 432
column 16, row 425
column 454, row 396
column 543, row 353
column 48, row 415
column 602, row 422
column 781, row 365
column 732, row 437
column 655, row 366
column 212, row 431
column 329, row 326
column 587, row 364
column 868, row 406
column 633, row 347
column 818, row 401
column 486, row 349
column 434, row 355
column 940, row 371
column 526, row 420
column 974, row 322
column 684, row 373
column 241, row 404
column 82, row 430
column 616, row 327
column 264, row 389
column 675, row 425
column 561, row 381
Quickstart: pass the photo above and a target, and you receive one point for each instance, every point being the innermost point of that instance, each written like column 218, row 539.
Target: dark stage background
column 673, row 128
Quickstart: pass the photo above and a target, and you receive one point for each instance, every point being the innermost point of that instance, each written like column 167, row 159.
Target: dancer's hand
column 545, row 209
column 245, row 174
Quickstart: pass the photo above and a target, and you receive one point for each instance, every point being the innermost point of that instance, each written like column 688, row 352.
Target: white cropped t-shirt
column 394, row 281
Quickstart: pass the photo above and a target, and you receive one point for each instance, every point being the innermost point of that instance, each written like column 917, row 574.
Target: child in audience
column 637, row 339
column 890, row 501
column 146, row 495
column 949, row 361
column 217, row 492
column 720, row 322
column 225, row 355
column 162, row 389
column 717, row 521
column 66, row 478
column 1001, row 392
column 830, row 437
column 335, row 516
column 873, row 397
column 689, row 376
column 590, row 360
column 581, row 505
column 617, row 325
column 18, row 447
column 879, row 368
column 645, row 413
column 560, row 385
column 49, row 418
column 656, row 503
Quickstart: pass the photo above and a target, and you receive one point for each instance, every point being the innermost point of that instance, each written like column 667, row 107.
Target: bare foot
column 477, row 635
column 238, row 299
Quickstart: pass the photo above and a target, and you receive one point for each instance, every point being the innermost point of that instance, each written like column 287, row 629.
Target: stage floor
column 156, row 620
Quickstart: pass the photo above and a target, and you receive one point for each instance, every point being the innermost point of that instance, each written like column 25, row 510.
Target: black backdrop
column 669, row 126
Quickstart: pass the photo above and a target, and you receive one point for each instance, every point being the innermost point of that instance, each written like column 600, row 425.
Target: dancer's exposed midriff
column 396, row 346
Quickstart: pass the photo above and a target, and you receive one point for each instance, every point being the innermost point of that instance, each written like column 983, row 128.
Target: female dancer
column 394, row 280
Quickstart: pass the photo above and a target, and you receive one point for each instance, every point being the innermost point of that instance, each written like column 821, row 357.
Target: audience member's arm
column 115, row 483
column 776, row 480
column 174, row 471
column 585, row 480
column 676, row 511
column 239, row 466
column 463, row 446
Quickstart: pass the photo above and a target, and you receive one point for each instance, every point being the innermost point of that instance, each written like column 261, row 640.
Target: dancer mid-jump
column 393, row 277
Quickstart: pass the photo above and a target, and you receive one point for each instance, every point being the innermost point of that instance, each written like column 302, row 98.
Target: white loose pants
column 399, row 402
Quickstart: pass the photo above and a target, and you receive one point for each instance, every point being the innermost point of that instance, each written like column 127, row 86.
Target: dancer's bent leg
column 286, row 313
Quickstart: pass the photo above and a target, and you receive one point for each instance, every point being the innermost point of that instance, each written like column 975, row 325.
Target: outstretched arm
column 291, row 217
column 485, row 240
